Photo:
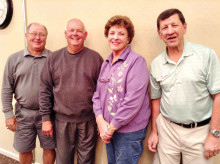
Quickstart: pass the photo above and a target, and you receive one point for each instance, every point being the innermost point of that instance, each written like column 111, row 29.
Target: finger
column 152, row 147
column 13, row 128
column 51, row 133
column 44, row 133
column 106, row 141
column 207, row 154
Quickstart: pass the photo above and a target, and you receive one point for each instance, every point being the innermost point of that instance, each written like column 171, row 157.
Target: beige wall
column 202, row 17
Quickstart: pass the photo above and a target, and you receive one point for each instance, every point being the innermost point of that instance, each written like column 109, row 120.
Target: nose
column 75, row 32
column 38, row 36
column 170, row 30
column 115, row 36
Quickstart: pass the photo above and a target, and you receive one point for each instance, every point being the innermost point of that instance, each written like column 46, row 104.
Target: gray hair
column 29, row 26
column 76, row 20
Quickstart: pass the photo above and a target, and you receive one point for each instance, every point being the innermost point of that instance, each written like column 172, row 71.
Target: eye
column 111, row 33
column 164, row 28
column 42, row 35
column 121, row 33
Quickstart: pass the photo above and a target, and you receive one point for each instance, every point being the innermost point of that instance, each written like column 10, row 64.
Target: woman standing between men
column 121, row 101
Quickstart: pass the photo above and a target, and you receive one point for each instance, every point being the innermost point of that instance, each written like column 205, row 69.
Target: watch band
column 215, row 132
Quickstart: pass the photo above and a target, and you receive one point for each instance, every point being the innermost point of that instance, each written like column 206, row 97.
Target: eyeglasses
column 34, row 35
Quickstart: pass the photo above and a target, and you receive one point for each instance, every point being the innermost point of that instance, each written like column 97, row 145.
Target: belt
column 193, row 124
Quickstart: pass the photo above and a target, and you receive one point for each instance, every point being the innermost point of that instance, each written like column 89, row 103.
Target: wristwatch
column 215, row 132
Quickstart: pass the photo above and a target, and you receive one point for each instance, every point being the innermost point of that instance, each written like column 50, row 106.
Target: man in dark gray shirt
column 67, row 85
column 21, row 80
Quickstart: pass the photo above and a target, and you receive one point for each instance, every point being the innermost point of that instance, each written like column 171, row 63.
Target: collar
column 123, row 56
column 187, row 51
column 27, row 53
column 76, row 52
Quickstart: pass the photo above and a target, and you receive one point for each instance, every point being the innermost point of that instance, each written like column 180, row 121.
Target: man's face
column 172, row 31
column 36, row 38
column 75, row 34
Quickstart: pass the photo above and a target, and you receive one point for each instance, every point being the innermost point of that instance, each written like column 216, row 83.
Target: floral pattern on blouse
column 115, row 87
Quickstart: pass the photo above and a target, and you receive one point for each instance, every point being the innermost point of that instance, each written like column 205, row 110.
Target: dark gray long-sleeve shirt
column 21, row 79
column 68, row 82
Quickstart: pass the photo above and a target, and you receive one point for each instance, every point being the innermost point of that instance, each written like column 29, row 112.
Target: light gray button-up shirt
column 21, row 79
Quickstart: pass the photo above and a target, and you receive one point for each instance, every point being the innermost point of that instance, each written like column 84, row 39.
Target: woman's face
column 118, row 39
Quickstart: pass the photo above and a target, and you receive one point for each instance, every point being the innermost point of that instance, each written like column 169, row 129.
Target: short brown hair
column 169, row 12
column 122, row 21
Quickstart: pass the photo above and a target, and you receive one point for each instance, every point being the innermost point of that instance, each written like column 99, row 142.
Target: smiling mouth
column 171, row 38
column 115, row 43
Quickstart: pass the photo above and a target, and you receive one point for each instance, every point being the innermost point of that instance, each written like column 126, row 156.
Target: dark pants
column 126, row 148
column 80, row 135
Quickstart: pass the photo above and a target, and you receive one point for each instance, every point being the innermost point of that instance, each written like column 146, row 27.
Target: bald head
column 75, row 20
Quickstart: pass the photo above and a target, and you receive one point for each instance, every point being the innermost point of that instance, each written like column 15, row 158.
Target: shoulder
column 133, row 56
column 199, row 49
column 47, row 52
column 92, row 54
column 159, row 59
column 59, row 51
column 56, row 54
column 19, row 55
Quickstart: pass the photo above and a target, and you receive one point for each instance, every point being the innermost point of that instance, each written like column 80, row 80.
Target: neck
column 74, row 49
column 175, row 53
column 117, row 54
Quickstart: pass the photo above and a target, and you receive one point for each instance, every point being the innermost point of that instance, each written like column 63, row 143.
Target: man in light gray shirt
column 21, row 80
column 185, row 93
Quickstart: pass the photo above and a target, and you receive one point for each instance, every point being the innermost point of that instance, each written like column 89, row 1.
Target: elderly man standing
column 185, row 92
column 22, row 79
column 67, row 86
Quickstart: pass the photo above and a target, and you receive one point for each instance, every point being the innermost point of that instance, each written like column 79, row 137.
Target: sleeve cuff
column 116, row 124
column 9, row 114
column 98, row 112
column 46, row 118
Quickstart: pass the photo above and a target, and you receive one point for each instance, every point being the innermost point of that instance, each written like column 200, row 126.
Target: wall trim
column 11, row 155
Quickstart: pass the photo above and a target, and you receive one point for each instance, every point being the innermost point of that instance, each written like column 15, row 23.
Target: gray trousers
column 81, row 136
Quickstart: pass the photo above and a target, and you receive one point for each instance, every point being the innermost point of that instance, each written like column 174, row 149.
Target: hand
column 212, row 146
column 152, row 142
column 11, row 123
column 47, row 128
column 105, row 134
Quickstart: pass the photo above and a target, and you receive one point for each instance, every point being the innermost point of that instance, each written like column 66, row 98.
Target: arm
column 153, row 139
column 212, row 143
column 46, row 99
column 101, row 123
column 136, row 88
column 7, row 96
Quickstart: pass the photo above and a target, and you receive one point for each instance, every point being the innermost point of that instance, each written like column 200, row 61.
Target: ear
column 65, row 33
column 129, row 39
column 85, row 35
column 26, row 35
column 185, row 27
column 159, row 33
